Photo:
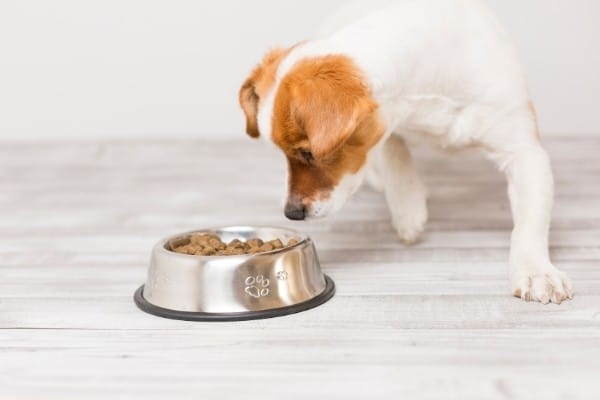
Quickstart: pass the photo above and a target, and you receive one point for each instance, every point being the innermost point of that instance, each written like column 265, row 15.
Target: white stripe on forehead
column 265, row 113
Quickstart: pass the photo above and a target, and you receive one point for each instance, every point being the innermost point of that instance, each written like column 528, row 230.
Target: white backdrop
column 72, row 69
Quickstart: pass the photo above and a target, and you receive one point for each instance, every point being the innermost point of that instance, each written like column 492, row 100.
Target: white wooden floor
column 435, row 321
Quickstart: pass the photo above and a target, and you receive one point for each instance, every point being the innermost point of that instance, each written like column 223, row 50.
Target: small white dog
column 340, row 107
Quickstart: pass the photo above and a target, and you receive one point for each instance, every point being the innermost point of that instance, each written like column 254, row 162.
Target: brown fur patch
column 257, row 85
column 323, row 106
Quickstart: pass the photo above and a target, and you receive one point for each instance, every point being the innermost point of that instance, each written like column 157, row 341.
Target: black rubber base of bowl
column 145, row 306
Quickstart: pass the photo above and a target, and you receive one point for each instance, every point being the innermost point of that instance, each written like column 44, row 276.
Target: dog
column 341, row 108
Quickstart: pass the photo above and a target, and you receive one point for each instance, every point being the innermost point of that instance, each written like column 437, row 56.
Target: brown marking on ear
column 249, row 103
column 533, row 112
column 256, row 86
column 327, row 100
column 324, row 107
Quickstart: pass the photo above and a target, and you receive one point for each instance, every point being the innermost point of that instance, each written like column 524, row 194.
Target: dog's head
column 321, row 115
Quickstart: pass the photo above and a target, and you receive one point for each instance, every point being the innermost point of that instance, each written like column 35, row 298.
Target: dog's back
column 421, row 41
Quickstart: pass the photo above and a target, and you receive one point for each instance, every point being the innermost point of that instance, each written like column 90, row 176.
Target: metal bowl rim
column 161, row 245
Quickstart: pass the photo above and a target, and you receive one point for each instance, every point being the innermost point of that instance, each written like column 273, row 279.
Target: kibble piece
column 187, row 249
column 195, row 239
column 265, row 247
column 255, row 243
column 292, row 242
column 216, row 244
column 199, row 239
column 254, row 250
column 235, row 243
column 277, row 244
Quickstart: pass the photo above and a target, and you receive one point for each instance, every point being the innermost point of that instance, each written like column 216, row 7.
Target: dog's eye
column 307, row 155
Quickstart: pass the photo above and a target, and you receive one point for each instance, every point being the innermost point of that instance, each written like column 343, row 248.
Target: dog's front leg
column 404, row 192
column 530, row 189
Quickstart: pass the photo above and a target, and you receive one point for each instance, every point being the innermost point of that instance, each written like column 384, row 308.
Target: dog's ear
column 249, row 103
column 260, row 81
column 329, row 104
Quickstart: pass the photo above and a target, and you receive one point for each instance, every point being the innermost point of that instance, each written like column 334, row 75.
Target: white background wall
column 72, row 69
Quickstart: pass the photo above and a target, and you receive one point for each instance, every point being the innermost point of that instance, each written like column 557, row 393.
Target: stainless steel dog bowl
column 234, row 288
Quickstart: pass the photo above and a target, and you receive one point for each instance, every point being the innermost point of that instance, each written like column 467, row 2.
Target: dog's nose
column 295, row 212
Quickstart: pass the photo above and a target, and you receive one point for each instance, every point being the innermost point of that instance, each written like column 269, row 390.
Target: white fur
column 447, row 71
column 347, row 186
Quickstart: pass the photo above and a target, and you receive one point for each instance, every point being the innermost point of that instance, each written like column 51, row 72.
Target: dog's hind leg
column 405, row 194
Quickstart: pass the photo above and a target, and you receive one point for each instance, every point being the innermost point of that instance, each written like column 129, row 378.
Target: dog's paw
column 409, row 224
column 544, row 285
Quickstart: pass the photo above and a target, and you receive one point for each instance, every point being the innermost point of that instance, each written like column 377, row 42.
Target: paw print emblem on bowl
column 257, row 286
column 282, row 275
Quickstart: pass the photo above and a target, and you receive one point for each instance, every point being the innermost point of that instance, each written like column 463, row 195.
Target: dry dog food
column 211, row 245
